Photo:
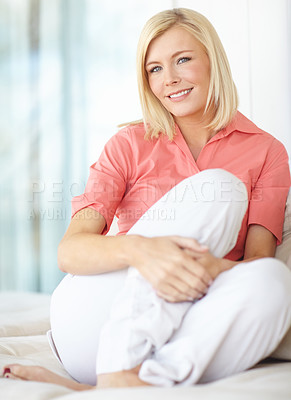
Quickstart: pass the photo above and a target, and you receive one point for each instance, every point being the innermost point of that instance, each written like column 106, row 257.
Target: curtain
column 67, row 79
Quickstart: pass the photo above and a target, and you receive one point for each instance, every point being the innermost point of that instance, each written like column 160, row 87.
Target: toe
column 17, row 371
column 7, row 372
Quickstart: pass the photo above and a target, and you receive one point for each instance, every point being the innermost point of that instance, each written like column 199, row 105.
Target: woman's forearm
column 89, row 254
column 162, row 261
column 260, row 243
column 215, row 265
column 225, row 264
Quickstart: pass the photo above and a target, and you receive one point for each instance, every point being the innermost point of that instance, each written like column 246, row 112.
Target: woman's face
column 178, row 73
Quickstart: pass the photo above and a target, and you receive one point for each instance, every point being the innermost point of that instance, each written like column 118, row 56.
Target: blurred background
column 67, row 79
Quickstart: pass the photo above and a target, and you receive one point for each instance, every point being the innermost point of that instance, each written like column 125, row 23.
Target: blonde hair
column 222, row 100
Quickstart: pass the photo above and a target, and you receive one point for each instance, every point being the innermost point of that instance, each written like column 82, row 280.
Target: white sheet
column 28, row 314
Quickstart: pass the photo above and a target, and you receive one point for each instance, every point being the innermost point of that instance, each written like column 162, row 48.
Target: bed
column 24, row 322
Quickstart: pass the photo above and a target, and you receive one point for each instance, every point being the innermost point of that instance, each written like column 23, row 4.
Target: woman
column 200, row 192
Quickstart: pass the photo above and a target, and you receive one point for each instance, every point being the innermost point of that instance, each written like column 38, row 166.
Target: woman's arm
column 260, row 242
column 163, row 261
column 84, row 251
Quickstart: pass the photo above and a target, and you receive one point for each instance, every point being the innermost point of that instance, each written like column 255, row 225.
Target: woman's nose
column 171, row 77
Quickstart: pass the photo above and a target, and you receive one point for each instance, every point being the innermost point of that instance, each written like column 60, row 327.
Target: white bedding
column 24, row 320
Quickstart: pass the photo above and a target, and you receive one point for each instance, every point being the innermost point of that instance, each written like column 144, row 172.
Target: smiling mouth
column 179, row 94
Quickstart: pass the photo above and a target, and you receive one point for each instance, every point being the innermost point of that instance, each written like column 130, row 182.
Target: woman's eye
column 155, row 69
column 183, row 59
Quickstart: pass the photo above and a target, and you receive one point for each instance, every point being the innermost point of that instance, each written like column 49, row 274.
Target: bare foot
column 120, row 379
column 40, row 374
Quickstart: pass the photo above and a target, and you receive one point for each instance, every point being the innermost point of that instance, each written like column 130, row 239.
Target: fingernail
column 6, row 371
column 210, row 282
column 190, row 298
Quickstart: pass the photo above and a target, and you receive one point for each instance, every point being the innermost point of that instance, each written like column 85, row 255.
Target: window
column 67, row 78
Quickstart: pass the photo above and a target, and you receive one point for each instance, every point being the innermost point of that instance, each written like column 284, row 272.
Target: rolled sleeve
column 269, row 195
column 107, row 181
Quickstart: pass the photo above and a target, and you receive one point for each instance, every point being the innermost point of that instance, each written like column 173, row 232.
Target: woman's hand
column 259, row 243
column 169, row 264
column 212, row 264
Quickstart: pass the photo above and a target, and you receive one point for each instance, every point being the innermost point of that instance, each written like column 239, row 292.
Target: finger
column 195, row 254
column 188, row 284
column 173, row 299
column 170, row 293
column 197, row 270
column 180, row 281
column 177, row 299
column 183, row 276
column 178, row 291
column 190, row 243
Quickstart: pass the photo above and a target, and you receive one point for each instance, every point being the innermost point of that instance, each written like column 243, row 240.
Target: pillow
column 283, row 253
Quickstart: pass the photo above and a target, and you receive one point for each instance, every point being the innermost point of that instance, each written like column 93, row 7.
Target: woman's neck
column 195, row 134
column 193, row 127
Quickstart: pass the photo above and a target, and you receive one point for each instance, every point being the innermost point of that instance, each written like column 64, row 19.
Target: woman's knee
column 220, row 185
column 221, row 192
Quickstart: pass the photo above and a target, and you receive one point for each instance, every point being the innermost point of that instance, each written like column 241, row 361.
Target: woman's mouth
column 179, row 95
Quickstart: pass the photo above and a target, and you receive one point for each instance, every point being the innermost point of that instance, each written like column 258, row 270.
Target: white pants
column 240, row 321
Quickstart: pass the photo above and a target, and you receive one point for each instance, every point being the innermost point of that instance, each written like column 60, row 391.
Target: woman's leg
column 80, row 306
column 209, row 207
column 240, row 321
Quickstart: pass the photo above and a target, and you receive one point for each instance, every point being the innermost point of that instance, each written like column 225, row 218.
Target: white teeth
column 180, row 93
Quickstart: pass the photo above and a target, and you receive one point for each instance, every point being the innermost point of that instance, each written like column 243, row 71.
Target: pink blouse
column 133, row 173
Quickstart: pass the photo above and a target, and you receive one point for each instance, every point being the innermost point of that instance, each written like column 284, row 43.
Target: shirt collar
column 240, row 123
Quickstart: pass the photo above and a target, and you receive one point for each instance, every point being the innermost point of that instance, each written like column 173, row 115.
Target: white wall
column 256, row 36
